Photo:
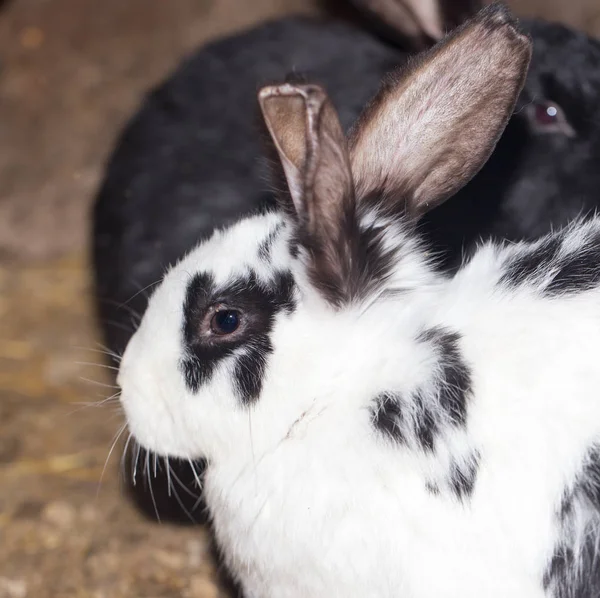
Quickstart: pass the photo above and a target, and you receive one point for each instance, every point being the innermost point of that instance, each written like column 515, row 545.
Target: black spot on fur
column 464, row 476
column 432, row 488
column 454, row 379
column 386, row 416
column 293, row 247
column 421, row 415
column 426, row 426
column 574, row 568
column 259, row 302
column 555, row 271
column 527, row 265
column 264, row 249
column 578, row 271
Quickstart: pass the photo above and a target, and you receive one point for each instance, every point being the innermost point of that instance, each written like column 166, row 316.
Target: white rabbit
column 373, row 427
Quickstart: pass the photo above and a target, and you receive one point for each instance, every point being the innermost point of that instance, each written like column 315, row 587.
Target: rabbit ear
column 433, row 126
column 312, row 148
column 422, row 21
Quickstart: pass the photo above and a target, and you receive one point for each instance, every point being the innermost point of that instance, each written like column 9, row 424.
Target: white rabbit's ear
column 434, row 124
column 422, row 22
column 312, row 148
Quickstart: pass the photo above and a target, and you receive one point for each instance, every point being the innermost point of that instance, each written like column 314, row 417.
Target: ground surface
column 71, row 71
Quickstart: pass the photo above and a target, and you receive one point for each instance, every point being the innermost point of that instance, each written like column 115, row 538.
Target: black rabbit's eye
column 225, row 321
column 548, row 117
column 546, row 114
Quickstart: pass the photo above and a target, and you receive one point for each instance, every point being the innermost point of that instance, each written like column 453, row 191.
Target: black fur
column 432, row 488
column 536, row 179
column 459, row 481
column 250, row 369
column 463, row 477
column 528, row 265
column 454, row 378
column 578, row 271
column 258, row 303
column 559, row 579
column 264, row 249
column 386, row 416
column 442, row 401
column 553, row 269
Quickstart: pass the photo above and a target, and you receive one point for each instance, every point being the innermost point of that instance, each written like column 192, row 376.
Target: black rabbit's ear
column 434, row 124
column 421, row 22
column 311, row 144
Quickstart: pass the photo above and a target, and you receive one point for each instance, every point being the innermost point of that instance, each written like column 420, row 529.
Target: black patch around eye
column 257, row 303
column 199, row 363
column 424, row 413
column 250, row 369
column 197, row 371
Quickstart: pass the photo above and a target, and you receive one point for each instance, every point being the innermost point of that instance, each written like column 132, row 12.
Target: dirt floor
column 71, row 72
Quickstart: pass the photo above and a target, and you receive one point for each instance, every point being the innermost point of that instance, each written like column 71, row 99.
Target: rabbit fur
column 373, row 426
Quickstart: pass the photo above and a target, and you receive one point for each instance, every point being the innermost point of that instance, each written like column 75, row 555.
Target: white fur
column 308, row 499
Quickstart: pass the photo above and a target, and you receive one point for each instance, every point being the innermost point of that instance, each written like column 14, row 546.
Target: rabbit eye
column 546, row 114
column 225, row 321
column 548, row 117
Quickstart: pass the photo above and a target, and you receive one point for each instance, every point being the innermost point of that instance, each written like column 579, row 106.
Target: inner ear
column 312, row 148
column 285, row 117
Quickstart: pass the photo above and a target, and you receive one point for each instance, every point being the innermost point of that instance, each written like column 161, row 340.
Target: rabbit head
column 556, row 118
column 284, row 309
